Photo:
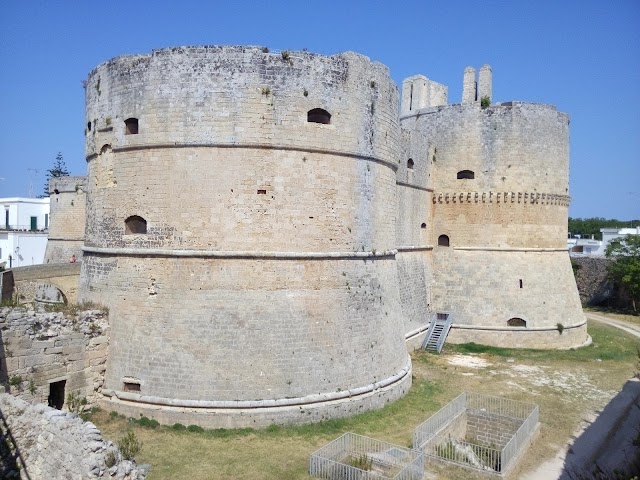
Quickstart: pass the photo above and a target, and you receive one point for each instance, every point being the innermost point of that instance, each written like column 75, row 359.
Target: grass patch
column 607, row 345
column 616, row 314
column 283, row 452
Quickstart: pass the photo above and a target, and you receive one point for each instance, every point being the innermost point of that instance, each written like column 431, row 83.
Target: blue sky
column 581, row 55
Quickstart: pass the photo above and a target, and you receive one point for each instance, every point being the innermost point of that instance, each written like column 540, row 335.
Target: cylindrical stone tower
column 469, row 86
column 499, row 207
column 485, row 81
column 68, row 212
column 241, row 230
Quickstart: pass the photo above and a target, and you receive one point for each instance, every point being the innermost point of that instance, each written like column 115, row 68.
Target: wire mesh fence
column 355, row 457
column 478, row 431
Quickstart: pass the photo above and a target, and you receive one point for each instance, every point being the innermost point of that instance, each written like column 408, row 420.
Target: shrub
column 485, row 102
column 179, row 427
column 129, row 446
column 195, row 428
column 110, row 459
column 75, row 402
column 363, row 462
column 147, row 422
column 560, row 327
column 15, row 380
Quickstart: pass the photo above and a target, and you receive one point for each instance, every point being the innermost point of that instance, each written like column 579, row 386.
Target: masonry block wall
column 499, row 222
column 67, row 223
column 40, row 349
column 266, row 275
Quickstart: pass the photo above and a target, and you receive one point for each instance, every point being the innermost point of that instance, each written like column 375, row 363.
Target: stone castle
column 273, row 231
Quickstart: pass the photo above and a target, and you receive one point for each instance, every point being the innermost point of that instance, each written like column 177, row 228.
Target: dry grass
column 567, row 385
column 628, row 316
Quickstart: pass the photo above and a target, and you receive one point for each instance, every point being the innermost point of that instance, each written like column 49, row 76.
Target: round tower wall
column 67, row 218
column 413, row 226
column 499, row 223
column 518, row 156
column 266, row 276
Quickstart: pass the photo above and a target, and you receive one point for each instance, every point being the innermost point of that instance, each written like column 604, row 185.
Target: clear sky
column 581, row 55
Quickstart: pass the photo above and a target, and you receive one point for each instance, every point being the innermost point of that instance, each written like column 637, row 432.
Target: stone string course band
column 156, row 252
column 261, row 146
column 280, row 402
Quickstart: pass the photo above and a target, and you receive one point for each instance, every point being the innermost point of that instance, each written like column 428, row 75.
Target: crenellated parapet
column 532, row 198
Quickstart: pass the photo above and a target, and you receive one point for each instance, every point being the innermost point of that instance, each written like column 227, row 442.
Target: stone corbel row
column 503, row 197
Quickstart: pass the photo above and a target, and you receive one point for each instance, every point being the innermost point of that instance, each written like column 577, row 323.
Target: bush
column 560, row 327
column 15, row 380
column 129, row 446
column 179, row 427
column 195, row 428
column 485, row 102
column 110, row 459
column 75, row 402
column 147, row 422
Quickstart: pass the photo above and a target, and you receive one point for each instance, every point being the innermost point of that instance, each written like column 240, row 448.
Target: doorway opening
column 56, row 394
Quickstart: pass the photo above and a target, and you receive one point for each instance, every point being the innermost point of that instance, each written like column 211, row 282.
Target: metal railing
column 444, row 434
column 439, row 420
column 22, row 228
column 522, row 437
column 355, row 457
column 503, row 407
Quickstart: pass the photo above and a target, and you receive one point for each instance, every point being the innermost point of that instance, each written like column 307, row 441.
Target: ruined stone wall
column 41, row 348
column 67, row 219
column 592, row 279
column 41, row 443
column 278, row 232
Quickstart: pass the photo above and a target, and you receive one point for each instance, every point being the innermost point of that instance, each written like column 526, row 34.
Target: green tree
column 592, row 226
column 59, row 170
column 626, row 268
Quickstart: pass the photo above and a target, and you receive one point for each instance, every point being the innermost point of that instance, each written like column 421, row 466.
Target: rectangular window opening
column 520, row 283
column 131, row 387
column 262, row 192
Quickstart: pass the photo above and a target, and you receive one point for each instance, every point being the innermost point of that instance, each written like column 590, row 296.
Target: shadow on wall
column 608, row 443
column 11, row 461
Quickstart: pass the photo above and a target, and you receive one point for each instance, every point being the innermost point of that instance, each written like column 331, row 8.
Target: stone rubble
column 42, row 443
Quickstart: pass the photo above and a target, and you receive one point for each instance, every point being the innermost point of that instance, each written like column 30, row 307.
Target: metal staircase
column 438, row 331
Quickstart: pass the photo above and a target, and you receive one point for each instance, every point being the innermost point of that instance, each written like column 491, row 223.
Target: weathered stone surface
column 47, row 444
column 44, row 347
column 593, row 281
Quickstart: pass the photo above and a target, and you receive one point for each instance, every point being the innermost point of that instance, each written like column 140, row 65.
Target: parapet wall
column 64, row 276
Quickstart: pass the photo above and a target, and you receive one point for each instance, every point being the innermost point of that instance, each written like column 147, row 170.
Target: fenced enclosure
column 355, row 457
column 478, row 431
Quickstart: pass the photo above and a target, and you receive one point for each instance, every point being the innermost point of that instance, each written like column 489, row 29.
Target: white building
column 23, row 231
column 588, row 246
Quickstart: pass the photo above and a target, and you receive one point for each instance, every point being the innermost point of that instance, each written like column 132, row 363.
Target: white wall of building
column 17, row 238
column 586, row 246
column 21, row 210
